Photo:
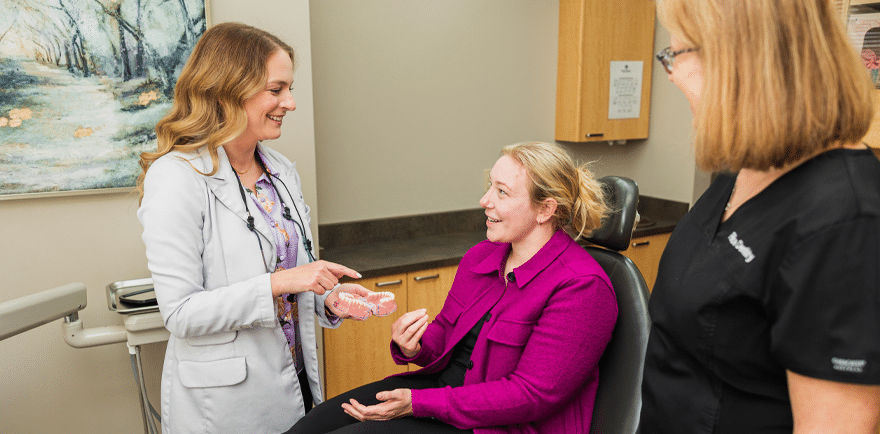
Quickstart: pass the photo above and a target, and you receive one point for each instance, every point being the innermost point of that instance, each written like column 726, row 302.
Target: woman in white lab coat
column 229, row 246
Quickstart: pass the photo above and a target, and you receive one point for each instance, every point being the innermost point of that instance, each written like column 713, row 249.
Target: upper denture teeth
column 382, row 297
column 354, row 299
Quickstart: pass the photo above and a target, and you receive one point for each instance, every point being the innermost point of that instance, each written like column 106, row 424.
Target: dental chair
column 619, row 397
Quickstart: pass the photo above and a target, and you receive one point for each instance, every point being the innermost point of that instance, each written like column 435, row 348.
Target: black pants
column 308, row 401
column 330, row 418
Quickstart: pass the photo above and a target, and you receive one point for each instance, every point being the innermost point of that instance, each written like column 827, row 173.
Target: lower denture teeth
column 383, row 303
column 355, row 306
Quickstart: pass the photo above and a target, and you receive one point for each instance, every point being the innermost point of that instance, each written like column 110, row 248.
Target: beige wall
column 47, row 386
column 413, row 100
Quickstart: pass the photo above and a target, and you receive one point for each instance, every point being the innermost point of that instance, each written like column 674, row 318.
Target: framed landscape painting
column 82, row 85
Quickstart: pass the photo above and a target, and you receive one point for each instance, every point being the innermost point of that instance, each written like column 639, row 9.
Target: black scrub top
column 789, row 282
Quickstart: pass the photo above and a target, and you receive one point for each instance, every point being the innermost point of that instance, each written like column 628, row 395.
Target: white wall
column 47, row 386
column 413, row 100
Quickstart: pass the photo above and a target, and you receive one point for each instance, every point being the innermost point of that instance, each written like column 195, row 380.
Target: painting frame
column 6, row 195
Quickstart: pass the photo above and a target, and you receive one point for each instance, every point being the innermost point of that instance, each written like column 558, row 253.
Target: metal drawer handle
column 641, row 243
column 396, row 282
column 421, row 278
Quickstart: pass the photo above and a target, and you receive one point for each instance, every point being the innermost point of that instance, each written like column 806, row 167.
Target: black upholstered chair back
column 619, row 399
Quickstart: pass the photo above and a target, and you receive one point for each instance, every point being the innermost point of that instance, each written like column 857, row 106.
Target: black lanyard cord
column 250, row 219
column 307, row 243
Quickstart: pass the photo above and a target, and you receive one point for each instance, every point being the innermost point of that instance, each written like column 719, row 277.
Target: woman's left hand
column 397, row 403
column 352, row 288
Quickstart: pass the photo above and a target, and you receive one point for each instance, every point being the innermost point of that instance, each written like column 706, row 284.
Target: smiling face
column 266, row 109
column 512, row 216
column 687, row 74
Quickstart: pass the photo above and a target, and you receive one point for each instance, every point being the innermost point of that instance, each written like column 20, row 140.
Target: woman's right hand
column 407, row 331
column 318, row 277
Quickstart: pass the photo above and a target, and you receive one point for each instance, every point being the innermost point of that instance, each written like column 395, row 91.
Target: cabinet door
column 428, row 289
column 645, row 253
column 592, row 34
column 357, row 352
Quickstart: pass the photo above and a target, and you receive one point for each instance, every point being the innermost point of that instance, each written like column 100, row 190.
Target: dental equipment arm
column 24, row 313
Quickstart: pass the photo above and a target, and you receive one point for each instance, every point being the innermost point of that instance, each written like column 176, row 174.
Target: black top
column 453, row 374
column 789, row 282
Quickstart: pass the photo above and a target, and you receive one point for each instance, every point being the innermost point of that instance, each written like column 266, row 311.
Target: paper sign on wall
column 625, row 96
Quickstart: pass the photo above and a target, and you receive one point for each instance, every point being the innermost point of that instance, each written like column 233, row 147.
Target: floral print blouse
column 287, row 244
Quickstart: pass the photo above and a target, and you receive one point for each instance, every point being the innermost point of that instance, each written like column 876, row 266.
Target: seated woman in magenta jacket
column 516, row 347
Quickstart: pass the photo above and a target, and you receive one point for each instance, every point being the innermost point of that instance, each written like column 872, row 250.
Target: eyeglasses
column 667, row 57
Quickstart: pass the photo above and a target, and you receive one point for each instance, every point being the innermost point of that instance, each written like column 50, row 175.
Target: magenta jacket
column 535, row 362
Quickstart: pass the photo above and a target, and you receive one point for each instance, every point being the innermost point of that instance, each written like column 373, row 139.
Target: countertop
column 432, row 251
column 660, row 226
column 404, row 256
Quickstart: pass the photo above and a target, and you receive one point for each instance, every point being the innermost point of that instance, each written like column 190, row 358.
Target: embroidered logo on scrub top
column 741, row 247
column 848, row 365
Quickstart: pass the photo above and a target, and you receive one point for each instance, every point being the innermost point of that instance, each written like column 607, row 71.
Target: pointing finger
column 339, row 270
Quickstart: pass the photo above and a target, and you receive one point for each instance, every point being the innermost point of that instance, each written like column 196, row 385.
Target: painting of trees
column 82, row 85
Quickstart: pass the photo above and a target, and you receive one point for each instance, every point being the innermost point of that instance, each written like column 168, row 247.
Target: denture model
column 353, row 305
column 383, row 303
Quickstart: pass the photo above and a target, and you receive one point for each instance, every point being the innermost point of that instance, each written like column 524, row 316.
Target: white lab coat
column 227, row 367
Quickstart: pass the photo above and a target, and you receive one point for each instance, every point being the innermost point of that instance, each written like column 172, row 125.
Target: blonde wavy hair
column 580, row 198
column 782, row 81
column 227, row 66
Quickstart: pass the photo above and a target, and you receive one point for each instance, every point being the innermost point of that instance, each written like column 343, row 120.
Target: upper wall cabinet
column 603, row 84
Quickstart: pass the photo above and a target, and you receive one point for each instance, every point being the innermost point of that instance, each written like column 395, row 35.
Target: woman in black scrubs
column 766, row 309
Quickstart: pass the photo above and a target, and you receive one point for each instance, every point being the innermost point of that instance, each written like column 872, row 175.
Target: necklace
column 757, row 187
column 250, row 166
column 727, row 207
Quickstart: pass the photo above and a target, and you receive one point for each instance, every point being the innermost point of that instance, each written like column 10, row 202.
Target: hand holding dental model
column 361, row 305
column 318, row 277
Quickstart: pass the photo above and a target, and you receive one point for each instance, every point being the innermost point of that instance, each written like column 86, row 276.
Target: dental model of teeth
column 353, row 305
column 383, row 303
column 377, row 303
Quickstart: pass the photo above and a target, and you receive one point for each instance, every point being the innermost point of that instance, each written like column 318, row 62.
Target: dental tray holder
column 123, row 297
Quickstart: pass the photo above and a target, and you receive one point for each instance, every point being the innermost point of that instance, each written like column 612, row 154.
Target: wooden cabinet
column 645, row 253
column 592, row 34
column 357, row 352
column 428, row 289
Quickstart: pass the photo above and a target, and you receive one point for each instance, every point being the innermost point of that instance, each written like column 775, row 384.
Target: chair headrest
column 622, row 197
